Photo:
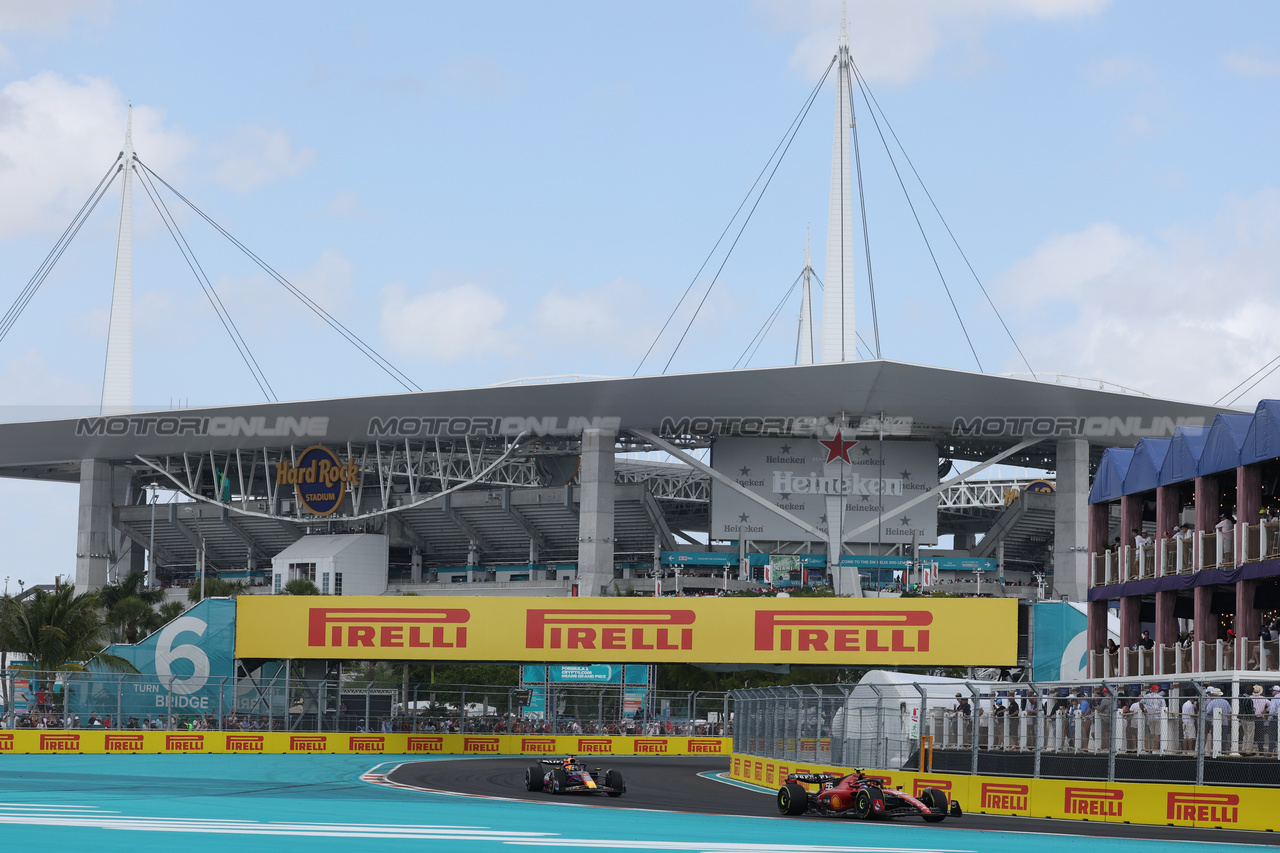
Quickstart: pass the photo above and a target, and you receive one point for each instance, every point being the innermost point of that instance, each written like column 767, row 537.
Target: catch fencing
column 287, row 702
column 1112, row 731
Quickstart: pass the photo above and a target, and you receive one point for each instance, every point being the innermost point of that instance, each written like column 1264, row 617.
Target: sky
column 500, row 190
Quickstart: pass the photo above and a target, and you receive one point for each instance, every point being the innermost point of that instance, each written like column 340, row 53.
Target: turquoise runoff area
column 320, row 803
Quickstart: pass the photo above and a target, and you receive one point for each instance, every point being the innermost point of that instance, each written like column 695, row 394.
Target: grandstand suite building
column 551, row 488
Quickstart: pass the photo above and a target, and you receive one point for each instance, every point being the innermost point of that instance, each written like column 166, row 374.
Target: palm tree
column 216, row 588
column 171, row 610
column 58, row 631
column 301, row 586
column 130, row 607
column 133, row 619
column 134, row 585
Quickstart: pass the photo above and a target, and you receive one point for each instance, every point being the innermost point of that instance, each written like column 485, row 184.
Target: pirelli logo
column 842, row 630
column 59, row 743
column 1093, row 802
column 705, row 746
column 245, row 743
column 366, row 744
column 122, row 743
column 308, row 743
column 429, row 743
column 1204, row 808
column 184, row 743
column 597, row 745
column 651, row 746
column 6, row 742
column 1005, row 797
column 538, row 745
column 737, row 766
column 918, row 786
column 388, row 627
column 759, row 770
column 609, row 630
column 480, row 744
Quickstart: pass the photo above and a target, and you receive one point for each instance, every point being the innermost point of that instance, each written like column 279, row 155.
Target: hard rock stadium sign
column 829, row 632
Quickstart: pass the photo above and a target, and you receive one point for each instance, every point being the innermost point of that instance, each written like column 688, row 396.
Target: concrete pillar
column 93, row 532
column 1248, row 621
column 964, row 541
column 1248, row 502
column 1099, row 527
column 1000, row 560
column 1130, row 620
column 1130, row 518
column 1206, row 622
column 415, row 571
column 1096, row 612
column 1166, row 621
column 1166, row 510
column 1206, row 509
column 1071, row 520
column 595, row 525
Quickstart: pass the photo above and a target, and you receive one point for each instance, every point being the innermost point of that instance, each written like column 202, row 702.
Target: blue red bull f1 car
column 860, row 796
column 567, row 776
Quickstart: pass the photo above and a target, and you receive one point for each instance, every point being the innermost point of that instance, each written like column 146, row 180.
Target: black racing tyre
column 793, row 799
column 533, row 779
column 613, row 779
column 861, row 805
column 936, row 800
column 559, row 781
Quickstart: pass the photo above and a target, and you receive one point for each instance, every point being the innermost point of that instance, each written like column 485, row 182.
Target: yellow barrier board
column 1069, row 799
column 830, row 632
column 99, row 742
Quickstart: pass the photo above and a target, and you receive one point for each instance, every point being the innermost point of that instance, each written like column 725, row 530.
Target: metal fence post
column 222, row 693
column 1037, row 729
column 1200, row 722
column 1110, row 731
column 119, row 702
column 973, row 721
column 920, row 727
column 287, row 707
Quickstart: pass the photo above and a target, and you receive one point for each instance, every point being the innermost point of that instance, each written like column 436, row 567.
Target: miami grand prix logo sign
column 319, row 478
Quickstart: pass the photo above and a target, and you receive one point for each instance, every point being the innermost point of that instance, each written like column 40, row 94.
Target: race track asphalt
column 677, row 785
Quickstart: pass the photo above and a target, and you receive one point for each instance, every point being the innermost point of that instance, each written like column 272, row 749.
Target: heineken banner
column 865, row 483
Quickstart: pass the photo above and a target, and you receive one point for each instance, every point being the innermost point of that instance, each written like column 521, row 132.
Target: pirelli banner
column 825, row 631
column 98, row 741
column 1069, row 799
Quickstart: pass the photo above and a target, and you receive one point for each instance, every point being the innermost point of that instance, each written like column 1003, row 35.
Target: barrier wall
column 1118, row 802
column 98, row 742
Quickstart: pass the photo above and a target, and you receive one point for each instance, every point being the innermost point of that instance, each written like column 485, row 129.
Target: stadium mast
column 804, row 341
column 839, row 334
column 117, row 379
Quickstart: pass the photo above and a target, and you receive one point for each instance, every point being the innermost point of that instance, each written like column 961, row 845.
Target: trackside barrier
column 1129, row 802
column 55, row 742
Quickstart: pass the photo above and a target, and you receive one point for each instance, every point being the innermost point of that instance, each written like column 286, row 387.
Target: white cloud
column 1251, row 66
column 29, row 380
column 255, row 157
column 446, row 324
column 58, row 137
column 50, row 15
column 588, row 320
column 1186, row 313
column 897, row 41
column 347, row 205
column 257, row 303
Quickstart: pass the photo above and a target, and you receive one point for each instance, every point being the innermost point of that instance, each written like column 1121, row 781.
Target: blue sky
column 497, row 190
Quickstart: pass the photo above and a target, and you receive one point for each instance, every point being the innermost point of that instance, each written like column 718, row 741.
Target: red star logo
column 838, row 448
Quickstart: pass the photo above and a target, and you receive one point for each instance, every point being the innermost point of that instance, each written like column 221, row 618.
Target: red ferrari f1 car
column 862, row 797
column 567, row 776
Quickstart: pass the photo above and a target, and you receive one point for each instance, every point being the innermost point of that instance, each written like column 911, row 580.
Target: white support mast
column 117, row 379
column 839, row 334
column 804, row 341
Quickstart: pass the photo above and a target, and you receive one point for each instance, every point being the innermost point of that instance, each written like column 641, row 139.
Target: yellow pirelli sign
column 99, row 742
column 1159, row 804
column 829, row 631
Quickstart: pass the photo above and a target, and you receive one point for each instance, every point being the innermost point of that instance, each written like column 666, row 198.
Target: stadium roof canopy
column 969, row 414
